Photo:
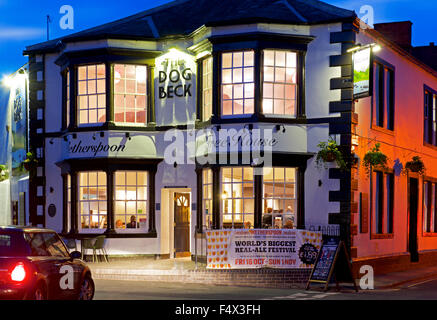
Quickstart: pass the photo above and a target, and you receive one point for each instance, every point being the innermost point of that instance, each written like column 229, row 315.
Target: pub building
column 110, row 106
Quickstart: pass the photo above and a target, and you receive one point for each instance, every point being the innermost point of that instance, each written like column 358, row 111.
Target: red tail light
column 18, row 274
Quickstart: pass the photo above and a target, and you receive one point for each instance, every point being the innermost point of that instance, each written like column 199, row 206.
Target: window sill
column 383, row 130
column 431, row 146
column 375, row 236
column 430, row 234
column 80, row 236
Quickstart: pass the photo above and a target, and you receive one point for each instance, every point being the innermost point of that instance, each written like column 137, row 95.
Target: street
column 144, row 290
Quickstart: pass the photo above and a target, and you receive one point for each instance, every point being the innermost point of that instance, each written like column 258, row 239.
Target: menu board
column 325, row 260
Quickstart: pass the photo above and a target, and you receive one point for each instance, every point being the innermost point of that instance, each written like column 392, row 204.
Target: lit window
column 238, row 88
column 279, row 84
column 207, row 198
column 207, row 89
column 131, row 195
column 237, row 194
column 67, row 97
column 91, row 98
column 279, row 198
column 130, row 93
column 92, row 200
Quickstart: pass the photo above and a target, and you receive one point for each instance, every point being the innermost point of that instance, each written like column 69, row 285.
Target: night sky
column 23, row 22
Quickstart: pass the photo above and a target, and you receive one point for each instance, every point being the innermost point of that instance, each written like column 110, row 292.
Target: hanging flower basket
column 329, row 152
column 4, row 174
column 415, row 165
column 30, row 162
column 375, row 159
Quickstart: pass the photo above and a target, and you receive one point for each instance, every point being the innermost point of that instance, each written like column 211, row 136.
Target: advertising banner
column 18, row 107
column 362, row 73
column 260, row 248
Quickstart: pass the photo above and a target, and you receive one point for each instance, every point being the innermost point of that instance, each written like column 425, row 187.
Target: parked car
column 35, row 264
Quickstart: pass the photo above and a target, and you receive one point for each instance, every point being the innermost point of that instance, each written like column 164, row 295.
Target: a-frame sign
column 332, row 263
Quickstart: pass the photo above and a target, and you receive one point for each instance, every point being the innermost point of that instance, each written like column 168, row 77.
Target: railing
column 332, row 230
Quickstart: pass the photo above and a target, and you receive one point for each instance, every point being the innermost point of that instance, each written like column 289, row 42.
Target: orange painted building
column 394, row 210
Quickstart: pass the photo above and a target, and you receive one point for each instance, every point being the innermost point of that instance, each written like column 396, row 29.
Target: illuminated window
column 67, row 97
column 93, row 200
column 69, row 201
column 207, row 198
column 91, row 98
column 279, row 198
column 237, row 83
column 131, row 196
column 279, row 83
column 207, row 89
column 130, row 93
column 237, row 194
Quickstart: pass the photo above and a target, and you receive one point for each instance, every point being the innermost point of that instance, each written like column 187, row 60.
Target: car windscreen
column 12, row 245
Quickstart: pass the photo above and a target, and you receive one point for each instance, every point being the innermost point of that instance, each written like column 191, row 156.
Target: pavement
column 148, row 269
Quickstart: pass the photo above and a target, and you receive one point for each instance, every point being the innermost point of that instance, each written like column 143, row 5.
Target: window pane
column 92, row 94
column 130, row 84
column 237, row 68
column 279, row 82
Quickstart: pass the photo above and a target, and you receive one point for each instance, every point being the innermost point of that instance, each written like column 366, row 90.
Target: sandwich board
column 332, row 263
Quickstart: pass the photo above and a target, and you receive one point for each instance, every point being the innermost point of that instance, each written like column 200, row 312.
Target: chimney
column 398, row 32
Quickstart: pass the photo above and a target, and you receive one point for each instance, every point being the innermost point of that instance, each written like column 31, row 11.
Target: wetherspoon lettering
column 79, row 148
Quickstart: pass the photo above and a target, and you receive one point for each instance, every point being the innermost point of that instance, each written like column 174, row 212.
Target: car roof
column 24, row 229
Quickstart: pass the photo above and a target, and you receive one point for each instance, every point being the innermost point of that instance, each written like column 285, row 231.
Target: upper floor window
column 207, row 88
column 430, row 123
column 279, row 82
column 130, row 93
column 237, row 82
column 384, row 96
column 67, row 101
column 91, row 98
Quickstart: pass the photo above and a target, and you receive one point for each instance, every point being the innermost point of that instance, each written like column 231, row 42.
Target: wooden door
column 182, row 222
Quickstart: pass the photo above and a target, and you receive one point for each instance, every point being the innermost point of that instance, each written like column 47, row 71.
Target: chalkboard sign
column 332, row 260
column 325, row 260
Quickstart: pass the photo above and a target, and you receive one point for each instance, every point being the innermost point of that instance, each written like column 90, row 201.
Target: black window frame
column 430, row 116
column 70, row 61
column 383, row 105
column 73, row 167
column 383, row 204
column 257, row 42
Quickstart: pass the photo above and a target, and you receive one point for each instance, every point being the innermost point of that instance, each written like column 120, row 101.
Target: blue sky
column 23, row 22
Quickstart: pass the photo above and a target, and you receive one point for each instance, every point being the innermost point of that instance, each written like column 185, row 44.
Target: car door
column 65, row 285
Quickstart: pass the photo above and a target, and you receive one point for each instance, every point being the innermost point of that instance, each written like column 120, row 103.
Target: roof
column 182, row 17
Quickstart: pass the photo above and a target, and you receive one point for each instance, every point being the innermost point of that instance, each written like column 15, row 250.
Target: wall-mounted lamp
column 128, row 135
column 374, row 46
column 278, row 128
column 51, row 141
column 102, row 134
